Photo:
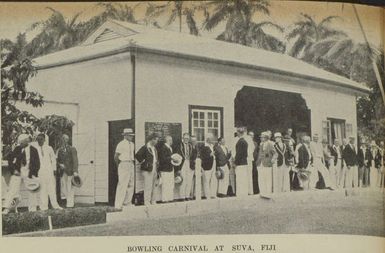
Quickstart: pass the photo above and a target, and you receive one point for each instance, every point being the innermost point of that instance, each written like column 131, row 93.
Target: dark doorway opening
column 263, row 109
column 115, row 129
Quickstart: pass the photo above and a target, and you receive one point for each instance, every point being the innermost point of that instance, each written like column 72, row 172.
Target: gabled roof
column 116, row 36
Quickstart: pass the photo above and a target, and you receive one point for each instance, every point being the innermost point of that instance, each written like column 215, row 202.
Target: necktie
column 41, row 149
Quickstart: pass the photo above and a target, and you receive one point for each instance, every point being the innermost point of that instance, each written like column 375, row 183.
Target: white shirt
column 126, row 150
column 152, row 148
column 316, row 149
column 47, row 158
column 337, row 148
column 167, row 145
column 250, row 147
column 26, row 150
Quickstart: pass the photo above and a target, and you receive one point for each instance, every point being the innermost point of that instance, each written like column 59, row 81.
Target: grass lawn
column 358, row 215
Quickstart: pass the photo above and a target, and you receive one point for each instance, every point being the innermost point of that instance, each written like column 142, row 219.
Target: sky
column 18, row 17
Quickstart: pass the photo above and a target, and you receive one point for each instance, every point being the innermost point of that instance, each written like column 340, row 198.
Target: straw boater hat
column 176, row 159
column 76, row 181
column 220, row 173
column 128, row 131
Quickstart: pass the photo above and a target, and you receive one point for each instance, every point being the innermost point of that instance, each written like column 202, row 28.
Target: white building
column 125, row 75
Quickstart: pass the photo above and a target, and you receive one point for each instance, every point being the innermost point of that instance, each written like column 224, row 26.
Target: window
column 204, row 121
column 334, row 129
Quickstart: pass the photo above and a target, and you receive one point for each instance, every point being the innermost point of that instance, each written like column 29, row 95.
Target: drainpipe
column 133, row 72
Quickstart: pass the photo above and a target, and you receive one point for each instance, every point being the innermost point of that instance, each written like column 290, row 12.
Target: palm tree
column 56, row 33
column 175, row 9
column 240, row 27
column 306, row 33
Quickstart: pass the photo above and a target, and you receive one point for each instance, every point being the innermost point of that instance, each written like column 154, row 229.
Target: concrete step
column 199, row 207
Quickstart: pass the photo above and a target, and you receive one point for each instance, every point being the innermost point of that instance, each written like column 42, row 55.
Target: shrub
column 38, row 221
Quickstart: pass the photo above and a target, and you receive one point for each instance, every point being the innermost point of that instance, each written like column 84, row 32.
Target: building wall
column 165, row 86
column 102, row 90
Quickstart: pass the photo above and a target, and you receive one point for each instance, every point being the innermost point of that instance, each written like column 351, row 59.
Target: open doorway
column 262, row 109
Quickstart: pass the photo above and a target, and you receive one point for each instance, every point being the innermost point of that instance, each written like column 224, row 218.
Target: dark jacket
column 283, row 155
column 145, row 157
column 68, row 156
column 17, row 159
column 333, row 152
column 377, row 158
column 361, row 157
column 303, row 157
column 181, row 150
column 193, row 156
column 221, row 157
column 164, row 154
column 207, row 158
column 350, row 156
column 241, row 152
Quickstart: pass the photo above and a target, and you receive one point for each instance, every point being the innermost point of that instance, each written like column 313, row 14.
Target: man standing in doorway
column 184, row 149
column 124, row 158
column 241, row 179
column 147, row 156
column 250, row 161
column 46, row 174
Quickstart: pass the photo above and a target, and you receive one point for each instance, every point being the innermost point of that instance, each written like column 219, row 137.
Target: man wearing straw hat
column 124, row 158
column 67, row 159
column 24, row 165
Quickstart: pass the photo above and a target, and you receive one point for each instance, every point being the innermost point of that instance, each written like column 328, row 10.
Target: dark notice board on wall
column 163, row 129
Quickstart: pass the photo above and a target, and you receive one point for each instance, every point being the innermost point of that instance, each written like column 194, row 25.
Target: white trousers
column 374, row 177
column 241, row 180
column 333, row 174
column 68, row 190
column 265, row 180
column 351, row 177
column 47, row 189
column 340, row 173
column 210, row 183
column 14, row 191
column 250, row 176
column 125, row 187
column 281, row 179
column 184, row 189
column 223, row 184
column 167, row 186
column 149, row 186
column 318, row 165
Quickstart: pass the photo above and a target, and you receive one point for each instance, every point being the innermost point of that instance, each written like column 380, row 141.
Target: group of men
column 35, row 164
column 279, row 160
